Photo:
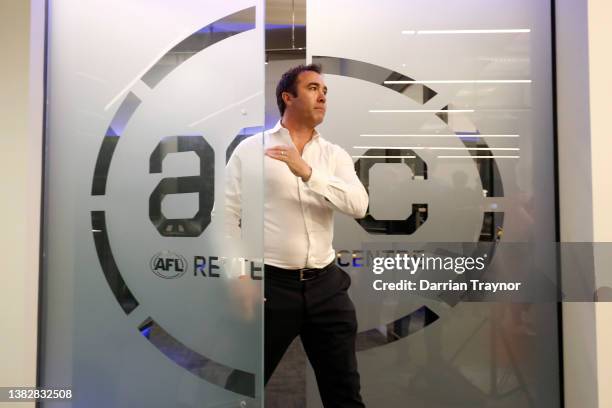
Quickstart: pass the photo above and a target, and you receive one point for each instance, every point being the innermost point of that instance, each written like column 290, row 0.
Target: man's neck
column 300, row 133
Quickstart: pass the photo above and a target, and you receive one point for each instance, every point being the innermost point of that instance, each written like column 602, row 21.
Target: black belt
column 304, row 274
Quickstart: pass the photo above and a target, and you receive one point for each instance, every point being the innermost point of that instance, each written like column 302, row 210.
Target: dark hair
column 288, row 81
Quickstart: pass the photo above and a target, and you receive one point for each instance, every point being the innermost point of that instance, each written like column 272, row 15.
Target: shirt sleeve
column 342, row 189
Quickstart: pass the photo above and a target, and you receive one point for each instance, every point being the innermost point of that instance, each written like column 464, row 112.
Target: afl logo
column 168, row 265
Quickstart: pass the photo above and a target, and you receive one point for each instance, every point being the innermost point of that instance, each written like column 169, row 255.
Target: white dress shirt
column 298, row 216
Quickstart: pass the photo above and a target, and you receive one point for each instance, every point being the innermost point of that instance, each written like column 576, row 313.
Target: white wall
column 600, row 69
column 583, row 86
column 21, row 102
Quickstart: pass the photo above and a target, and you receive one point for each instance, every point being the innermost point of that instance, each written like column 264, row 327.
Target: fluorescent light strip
column 383, row 157
column 472, row 136
column 475, row 148
column 437, row 148
column 479, row 157
column 438, row 135
column 488, row 31
column 421, row 111
column 464, row 81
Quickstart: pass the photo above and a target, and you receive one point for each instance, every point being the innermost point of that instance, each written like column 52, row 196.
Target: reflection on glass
column 471, row 103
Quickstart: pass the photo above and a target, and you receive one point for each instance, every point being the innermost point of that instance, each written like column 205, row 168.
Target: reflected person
column 306, row 180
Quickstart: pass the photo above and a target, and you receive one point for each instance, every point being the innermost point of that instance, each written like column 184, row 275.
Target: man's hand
column 292, row 159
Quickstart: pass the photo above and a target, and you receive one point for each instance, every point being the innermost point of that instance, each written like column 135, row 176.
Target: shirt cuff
column 317, row 181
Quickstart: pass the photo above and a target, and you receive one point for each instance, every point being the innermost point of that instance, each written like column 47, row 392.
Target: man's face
column 310, row 103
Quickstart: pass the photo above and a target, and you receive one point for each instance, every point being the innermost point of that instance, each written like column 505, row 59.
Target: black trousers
column 322, row 314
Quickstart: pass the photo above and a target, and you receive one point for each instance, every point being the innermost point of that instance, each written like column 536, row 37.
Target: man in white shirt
column 306, row 179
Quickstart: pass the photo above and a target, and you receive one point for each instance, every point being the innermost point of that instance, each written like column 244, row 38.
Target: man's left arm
column 342, row 189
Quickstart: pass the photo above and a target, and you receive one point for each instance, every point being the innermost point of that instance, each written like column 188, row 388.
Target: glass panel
column 145, row 302
column 446, row 110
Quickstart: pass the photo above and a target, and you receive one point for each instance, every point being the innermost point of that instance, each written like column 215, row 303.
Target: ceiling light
column 463, row 81
column 421, row 110
column 437, row 148
column 437, row 135
column 478, row 157
column 488, row 31
column 383, row 157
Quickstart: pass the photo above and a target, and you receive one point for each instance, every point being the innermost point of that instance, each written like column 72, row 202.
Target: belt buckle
column 302, row 279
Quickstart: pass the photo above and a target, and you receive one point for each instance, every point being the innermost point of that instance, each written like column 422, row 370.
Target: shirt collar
column 278, row 128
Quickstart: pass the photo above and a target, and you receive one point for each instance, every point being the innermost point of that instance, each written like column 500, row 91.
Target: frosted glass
column 145, row 304
column 408, row 82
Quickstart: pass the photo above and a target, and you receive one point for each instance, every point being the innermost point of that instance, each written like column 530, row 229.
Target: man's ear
column 287, row 97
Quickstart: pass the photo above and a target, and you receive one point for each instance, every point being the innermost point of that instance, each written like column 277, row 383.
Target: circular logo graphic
column 162, row 139
column 168, row 265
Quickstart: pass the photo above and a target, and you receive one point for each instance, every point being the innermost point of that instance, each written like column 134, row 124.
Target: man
column 306, row 179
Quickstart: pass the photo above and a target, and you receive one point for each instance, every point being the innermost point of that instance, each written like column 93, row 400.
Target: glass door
column 147, row 302
column 445, row 108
